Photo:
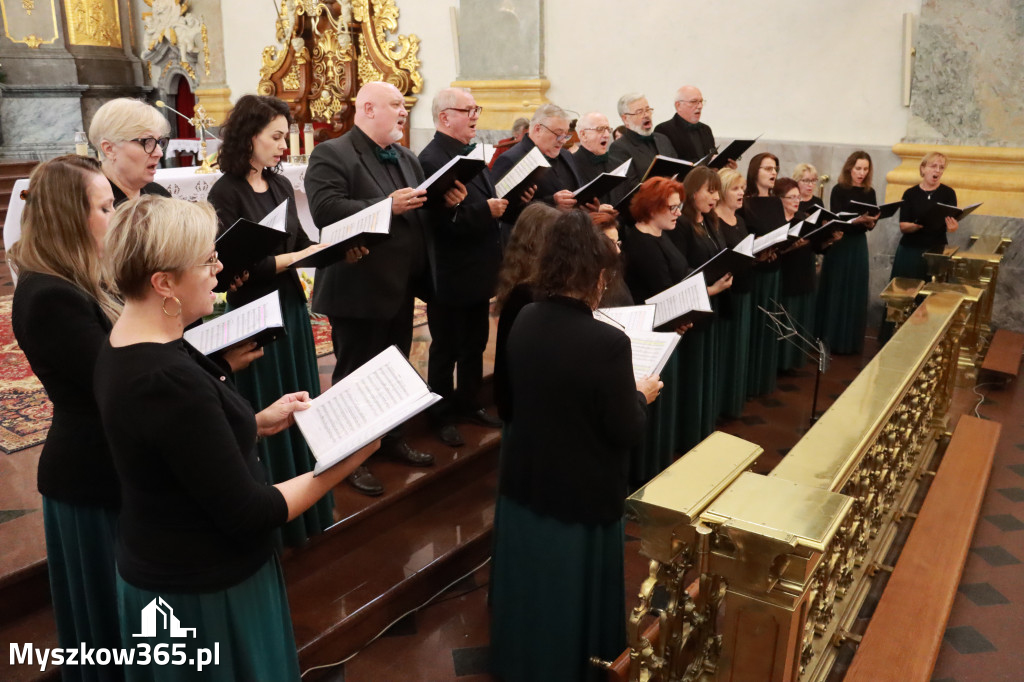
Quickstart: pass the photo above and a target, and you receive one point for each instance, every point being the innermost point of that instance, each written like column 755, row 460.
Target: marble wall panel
column 500, row 40
column 34, row 121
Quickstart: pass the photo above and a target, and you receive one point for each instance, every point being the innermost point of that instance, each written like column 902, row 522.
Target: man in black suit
column 691, row 139
column 549, row 131
column 467, row 240
column 592, row 158
column 368, row 298
column 639, row 143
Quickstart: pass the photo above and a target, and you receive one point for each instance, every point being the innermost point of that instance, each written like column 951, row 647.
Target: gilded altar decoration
column 22, row 26
column 93, row 22
column 326, row 51
column 172, row 34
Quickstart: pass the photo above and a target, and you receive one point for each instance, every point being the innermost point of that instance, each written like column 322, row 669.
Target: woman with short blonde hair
column 130, row 137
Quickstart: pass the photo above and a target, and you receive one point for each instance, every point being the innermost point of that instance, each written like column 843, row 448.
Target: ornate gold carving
column 402, row 57
column 188, row 69
column 30, row 26
column 28, row 6
column 186, row 35
column 292, row 81
column 93, row 22
column 367, row 71
column 206, row 50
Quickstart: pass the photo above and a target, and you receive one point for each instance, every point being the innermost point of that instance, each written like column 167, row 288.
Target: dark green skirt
column 734, row 334
column 80, row 558
column 661, row 434
column 248, row 626
column 763, row 365
column 558, row 596
column 909, row 262
column 697, row 404
column 843, row 295
column 288, row 365
column 792, row 351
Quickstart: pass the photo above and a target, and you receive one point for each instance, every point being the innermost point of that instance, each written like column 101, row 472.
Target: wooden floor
column 388, row 555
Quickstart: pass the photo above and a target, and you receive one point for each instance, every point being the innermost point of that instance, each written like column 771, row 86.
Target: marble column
column 501, row 58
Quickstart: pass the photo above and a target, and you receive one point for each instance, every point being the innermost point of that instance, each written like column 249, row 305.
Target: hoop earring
column 163, row 306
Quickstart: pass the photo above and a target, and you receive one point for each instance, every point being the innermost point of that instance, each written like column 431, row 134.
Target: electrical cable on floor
column 981, row 398
column 407, row 613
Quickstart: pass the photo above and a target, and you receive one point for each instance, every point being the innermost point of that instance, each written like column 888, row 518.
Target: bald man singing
column 592, row 157
column 691, row 138
column 369, row 299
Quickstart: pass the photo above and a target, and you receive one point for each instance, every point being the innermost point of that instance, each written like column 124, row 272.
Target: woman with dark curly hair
column 558, row 525
column 255, row 140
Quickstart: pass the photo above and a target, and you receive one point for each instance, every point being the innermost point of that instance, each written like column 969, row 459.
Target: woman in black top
column 616, row 293
column 921, row 231
column 653, row 262
column 61, row 316
column 798, row 281
column 843, row 290
column 558, row 526
column 255, row 139
column 130, row 137
column 197, row 519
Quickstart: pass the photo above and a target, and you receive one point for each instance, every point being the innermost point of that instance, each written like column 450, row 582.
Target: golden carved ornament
column 402, row 57
column 28, row 6
column 292, row 81
column 93, row 22
column 30, row 25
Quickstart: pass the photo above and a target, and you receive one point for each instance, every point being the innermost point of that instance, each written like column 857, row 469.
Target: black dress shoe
column 403, row 452
column 483, row 419
column 450, row 436
column 363, row 480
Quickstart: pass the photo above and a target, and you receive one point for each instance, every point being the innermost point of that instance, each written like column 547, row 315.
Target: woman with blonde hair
column 197, row 518
column 61, row 316
column 806, row 176
column 130, row 137
column 922, row 231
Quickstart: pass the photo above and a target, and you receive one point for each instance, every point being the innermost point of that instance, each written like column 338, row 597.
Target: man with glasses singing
column 549, row 131
column 467, row 247
column 691, row 139
column 592, row 158
column 640, row 142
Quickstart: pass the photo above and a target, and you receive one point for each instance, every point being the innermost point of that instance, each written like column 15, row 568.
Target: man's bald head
column 380, row 112
column 689, row 103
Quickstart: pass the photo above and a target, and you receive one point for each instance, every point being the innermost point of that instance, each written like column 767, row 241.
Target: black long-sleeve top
column 150, row 188
column 196, row 514
column 60, row 328
column 577, row 410
column 916, row 203
column 840, row 200
column 798, row 268
column 762, row 215
column 520, row 297
column 589, row 165
column 653, row 264
column 692, row 141
column 233, row 197
column 742, row 282
column 697, row 246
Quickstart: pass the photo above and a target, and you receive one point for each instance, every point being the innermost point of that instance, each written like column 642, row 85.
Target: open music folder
column 362, row 407
column 258, row 321
column 246, row 242
column 370, row 226
column 650, row 349
column 461, row 168
column 734, row 260
column 882, row 212
column 686, row 301
column 732, row 152
column 602, row 184
column 667, row 167
column 522, row 175
column 942, row 211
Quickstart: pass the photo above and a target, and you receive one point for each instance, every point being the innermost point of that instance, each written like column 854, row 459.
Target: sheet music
column 236, row 325
column 813, row 218
column 779, row 234
column 518, row 172
column 629, row 318
column 677, row 300
column 794, row 231
column 746, row 247
column 651, row 350
column 472, row 156
column 278, row 218
column 619, row 171
column 375, row 219
column 379, row 395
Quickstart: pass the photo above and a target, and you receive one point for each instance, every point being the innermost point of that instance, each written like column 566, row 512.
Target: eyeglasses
column 210, row 262
column 795, row 197
column 149, row 144
column 772, row 169
column 640, row 112
column 693, row 102
column 808, row 181
column 601, row 129
column 675, row 208
column 471, row 111
column 561, row 137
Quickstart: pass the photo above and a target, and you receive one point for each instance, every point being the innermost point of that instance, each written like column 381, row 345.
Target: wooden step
column 1004, row 353
column 903, row 638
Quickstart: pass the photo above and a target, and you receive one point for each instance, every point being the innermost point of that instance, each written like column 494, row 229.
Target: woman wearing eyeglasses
column 197, row 519
column 130, row 137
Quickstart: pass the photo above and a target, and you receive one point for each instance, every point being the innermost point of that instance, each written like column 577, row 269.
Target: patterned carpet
column 25, row 411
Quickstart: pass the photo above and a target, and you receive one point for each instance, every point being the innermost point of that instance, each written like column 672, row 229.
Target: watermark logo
column 159, row 610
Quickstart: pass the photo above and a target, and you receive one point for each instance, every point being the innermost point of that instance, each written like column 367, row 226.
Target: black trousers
column 458, row 338
column 358, row 340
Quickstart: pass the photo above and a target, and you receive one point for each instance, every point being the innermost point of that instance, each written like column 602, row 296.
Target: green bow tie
column 388, row 155
column 468, row 148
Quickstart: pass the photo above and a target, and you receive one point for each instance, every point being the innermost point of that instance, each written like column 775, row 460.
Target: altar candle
column 307, row 134
column 293, row 139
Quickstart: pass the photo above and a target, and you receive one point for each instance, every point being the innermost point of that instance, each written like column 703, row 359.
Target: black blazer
column 61, row 328
column 589, row 165
column 344, row 177
column 642, row 150
column 233, row 198
column 691, row 141
column 577, row 414
column 554, row 180
column 467, row 240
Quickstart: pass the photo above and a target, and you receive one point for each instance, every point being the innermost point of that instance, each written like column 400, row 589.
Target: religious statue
column 172, row 22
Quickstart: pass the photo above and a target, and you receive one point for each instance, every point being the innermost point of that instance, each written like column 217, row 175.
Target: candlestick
column 293, row 139
column 307, row 134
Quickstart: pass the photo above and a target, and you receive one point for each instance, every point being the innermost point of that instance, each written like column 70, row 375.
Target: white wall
column 810, row 70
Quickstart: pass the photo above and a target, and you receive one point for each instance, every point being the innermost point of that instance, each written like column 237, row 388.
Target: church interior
column 861, row 521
